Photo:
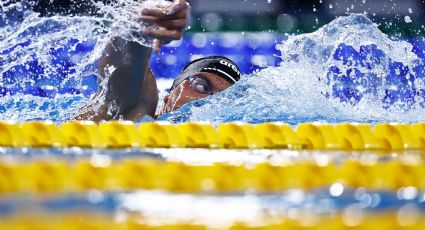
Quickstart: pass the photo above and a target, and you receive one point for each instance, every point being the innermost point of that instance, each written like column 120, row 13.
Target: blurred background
column 300, row 16
column 288, row 16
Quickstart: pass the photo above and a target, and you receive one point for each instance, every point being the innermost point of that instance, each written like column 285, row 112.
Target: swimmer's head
column 199, row 79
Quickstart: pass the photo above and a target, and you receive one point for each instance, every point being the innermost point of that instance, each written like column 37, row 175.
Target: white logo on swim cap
column 228, row 64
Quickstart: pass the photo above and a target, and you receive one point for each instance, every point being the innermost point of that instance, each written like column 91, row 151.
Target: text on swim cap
column 228, row 64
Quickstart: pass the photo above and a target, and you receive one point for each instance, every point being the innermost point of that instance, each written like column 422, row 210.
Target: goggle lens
column 200, row 84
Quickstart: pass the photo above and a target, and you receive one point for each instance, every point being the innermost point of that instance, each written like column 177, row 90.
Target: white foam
column 295, row 91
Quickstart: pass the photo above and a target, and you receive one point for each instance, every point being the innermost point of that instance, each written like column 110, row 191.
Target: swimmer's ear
column 164, row 106
column 166, row 98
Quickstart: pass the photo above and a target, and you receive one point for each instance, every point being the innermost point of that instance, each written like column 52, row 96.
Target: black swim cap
column 221, row 66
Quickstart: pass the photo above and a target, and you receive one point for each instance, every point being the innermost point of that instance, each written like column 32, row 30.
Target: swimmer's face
column 193, row 89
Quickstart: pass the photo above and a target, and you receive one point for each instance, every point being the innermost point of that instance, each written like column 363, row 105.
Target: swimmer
column 130, row 90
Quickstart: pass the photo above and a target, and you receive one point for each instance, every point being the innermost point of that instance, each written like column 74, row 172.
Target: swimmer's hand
column 171, row 22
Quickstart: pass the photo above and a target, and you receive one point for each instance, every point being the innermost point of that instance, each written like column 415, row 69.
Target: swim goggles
column 200, row 84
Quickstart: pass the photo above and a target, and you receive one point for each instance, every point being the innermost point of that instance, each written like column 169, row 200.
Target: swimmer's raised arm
column 129, row 90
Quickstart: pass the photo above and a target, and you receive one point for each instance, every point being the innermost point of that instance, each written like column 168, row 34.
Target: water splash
column 23, row 107
column 57, row 55
column 346, row 71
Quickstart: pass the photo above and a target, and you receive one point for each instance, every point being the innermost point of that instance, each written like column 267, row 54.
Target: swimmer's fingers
column 177, row 24
column 163, row 34
column 160, row 13
column 176, row 2
column 177, row 10
column 171, row 22
column 156, row 45
column 178, row 6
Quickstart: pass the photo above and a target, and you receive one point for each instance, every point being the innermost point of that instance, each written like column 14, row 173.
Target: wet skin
column 128, row 88
column 185, row 93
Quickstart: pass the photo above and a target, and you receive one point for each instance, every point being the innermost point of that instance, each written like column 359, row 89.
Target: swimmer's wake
column 346, row 71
